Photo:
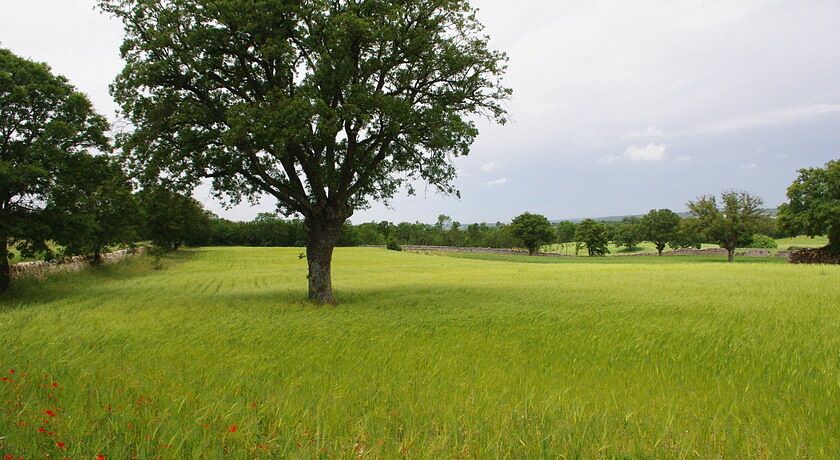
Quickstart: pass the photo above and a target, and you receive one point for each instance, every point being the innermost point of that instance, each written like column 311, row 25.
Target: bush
column 763, row 242
column 393, row 245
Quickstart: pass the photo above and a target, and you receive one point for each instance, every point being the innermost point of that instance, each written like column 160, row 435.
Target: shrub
column 393, row 245
column 763, row 241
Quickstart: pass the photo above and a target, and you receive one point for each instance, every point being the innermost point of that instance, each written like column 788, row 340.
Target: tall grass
column 426, row 357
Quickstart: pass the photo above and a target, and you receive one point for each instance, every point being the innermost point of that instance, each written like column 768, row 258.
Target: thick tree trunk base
column 319, row 253
column 730, row 255
column 5, row 268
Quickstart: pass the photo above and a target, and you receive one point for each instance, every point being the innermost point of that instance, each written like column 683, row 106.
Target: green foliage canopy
column 814, row 206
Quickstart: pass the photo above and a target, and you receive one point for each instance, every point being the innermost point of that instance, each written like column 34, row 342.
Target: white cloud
column 651, row 132
column 487, row 167
column 682, row 158
column 634, row 153
column 496, row 182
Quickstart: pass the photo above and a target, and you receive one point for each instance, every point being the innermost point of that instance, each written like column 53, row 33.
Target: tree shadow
column 36, row 290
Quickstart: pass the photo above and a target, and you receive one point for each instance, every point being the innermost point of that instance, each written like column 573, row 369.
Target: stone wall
column 72, row 264
column 679, row 252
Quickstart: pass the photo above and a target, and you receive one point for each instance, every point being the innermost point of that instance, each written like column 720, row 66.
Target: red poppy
column 50, row 413
column 9, row 457
column 233, row 428
column 100, row 457
column 60, row 445
column 55, row 384
column 42, row 430
column 11, row 371
column 5, row 379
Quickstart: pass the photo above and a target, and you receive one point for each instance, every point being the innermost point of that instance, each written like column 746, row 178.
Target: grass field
column 425, row 357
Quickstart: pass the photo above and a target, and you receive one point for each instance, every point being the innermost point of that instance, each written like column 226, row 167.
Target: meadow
column 426, row 356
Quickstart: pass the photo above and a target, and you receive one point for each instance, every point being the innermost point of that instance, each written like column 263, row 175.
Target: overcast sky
column 618, row 107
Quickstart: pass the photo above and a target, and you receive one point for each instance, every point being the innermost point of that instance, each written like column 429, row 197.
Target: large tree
column 738, row 215
column 45, row 127
column 814, row 207
column 661, row 227
column 533, row 230
column 326, row 105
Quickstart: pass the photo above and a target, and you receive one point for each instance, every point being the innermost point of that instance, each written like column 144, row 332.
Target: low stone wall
column 678, row 252
column 72, row 264
column 416, row 248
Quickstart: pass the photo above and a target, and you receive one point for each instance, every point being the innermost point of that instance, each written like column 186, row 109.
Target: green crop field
column 425, row 357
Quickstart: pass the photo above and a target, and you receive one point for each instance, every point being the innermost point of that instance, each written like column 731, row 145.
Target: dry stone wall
column 679, row 252
column 72, row 264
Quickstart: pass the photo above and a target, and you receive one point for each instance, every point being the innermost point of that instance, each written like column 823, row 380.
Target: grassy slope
column 431, row 356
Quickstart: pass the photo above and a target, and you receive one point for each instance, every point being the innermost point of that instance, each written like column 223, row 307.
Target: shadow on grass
column 34, row 290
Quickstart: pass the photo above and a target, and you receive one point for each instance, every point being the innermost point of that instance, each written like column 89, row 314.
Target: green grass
column 425, row 357
column 803, row 242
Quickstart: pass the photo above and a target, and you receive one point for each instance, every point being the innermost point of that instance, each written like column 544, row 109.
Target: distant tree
column 689, row 234
column 533, row 230
column 660, row 227
column 593, row 235
column 565, row 231
column 93, row 208
column 172, row 217
column 45, row 125
column 814, row 206
column 325, row 105
column 627, row 233
column 739, row 215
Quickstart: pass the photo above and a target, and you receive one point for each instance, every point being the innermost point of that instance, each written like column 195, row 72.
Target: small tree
column 566, row 233
column 627, row 233
column 533, row 230
column 172, row 217
column 593, row 235
column 660, row 227
column 45, row 125
column 738, row 216
column 814, row 207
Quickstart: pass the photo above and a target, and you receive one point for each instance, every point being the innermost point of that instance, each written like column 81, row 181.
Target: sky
column 618, row 107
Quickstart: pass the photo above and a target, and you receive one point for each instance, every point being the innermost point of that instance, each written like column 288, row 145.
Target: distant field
column 802, row 242
column 425, row 357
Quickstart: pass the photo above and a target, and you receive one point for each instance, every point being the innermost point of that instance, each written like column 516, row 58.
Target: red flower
column 5, row 379
column 50, row 413
column 60, row 445
column 55, row 384
column 42, row 430
column 11, row 371
column 233, row 428
column 9, row 457
column 100, row 457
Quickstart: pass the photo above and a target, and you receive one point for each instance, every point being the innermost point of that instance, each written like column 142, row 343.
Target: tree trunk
column 319, row 251
column 5, row 270
column 730, row 254
column 834, row 239
column 97, row 257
